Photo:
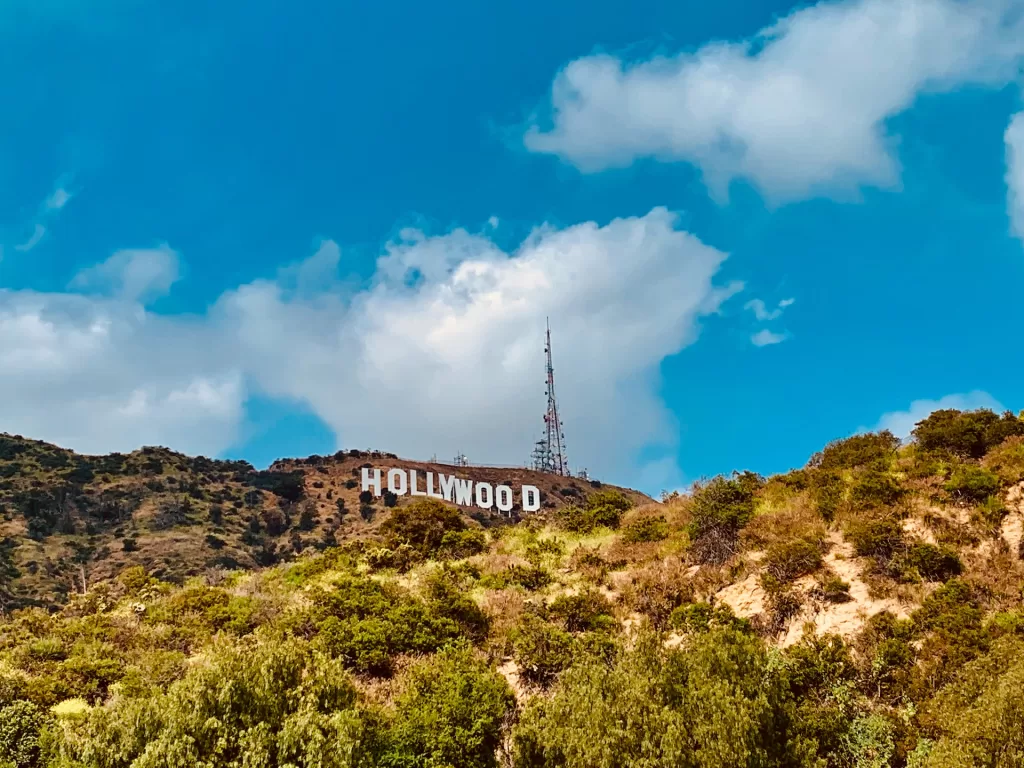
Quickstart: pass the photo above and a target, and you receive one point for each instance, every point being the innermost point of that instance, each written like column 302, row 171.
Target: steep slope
column 68, row 521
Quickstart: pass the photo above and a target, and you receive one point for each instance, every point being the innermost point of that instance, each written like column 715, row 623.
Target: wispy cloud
column 37, row 236
column 762, row 313
column 58, row 199
column 764, row 338
column 50, row 207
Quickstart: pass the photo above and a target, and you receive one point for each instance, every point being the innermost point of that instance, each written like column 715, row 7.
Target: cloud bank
column 442, row 352
column 799, row 110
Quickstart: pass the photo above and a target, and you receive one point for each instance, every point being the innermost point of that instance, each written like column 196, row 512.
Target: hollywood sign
column 450, row 488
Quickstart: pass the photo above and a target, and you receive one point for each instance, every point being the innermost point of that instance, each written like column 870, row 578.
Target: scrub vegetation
column 865, row 610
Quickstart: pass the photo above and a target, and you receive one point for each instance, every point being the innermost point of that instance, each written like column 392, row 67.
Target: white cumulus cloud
column 902, row 423
column 101, row 375
column 798, row 110
column 442, row 352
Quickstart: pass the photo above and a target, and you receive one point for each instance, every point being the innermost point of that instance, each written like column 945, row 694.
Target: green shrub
column 930, row 562
column 832, row 589
column 878, row 535
column 266, row 702
column 540, row 649
column 717, row 702
column 657, row 590
column 827, row 490
column 787, row 560
column 968, row 434
column 876, row 489
column 875, row 449
column 972, row 484
column 531, row 577
column 646, row 529
column 366, row 624
column 427, row 525
column 601, row 509
column 450, row 712
column 607, row 507
column 460, row 544
column 582, row 612
column 703, row 617
column 1006, row 460
column 718, row 511
column 20, row 726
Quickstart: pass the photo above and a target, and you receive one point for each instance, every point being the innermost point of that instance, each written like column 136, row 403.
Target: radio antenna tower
column 549, row 455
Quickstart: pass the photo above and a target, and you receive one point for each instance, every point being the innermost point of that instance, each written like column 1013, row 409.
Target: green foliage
column 703, row 617
column 717, row 703
column 1006, row 460
column 431, row 527
column 877, row 535
column 827, row 489
column 929, row 562
column 265, row 702
column 718, row 510
column 832, row 589
column 968, row 434
column 584, row 611
column 788, row 560
column 652, row 528
column 366, row 624
column 979, row 716
column 875, row 449
column 450, row 713
column 20, row 726
column 972, row 484
column 601, row 509
column 874, row 489
column 540, row 649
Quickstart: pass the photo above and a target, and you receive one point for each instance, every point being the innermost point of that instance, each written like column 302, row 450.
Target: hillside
column 866, row 609
column 68, row 521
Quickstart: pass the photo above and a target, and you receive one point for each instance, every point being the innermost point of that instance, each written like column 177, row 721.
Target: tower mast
column 549, row 454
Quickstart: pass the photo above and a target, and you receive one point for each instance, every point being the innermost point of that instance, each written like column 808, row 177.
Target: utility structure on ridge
column 549, row 453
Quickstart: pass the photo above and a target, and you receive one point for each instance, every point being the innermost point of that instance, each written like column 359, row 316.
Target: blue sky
column 251, row 231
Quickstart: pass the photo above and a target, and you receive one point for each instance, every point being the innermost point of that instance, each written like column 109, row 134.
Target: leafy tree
column 874, row 449
column 430, row 525
column 716, row 703
column 968, row 434
column 264, row 702
column 719, row 509
column 450, row 712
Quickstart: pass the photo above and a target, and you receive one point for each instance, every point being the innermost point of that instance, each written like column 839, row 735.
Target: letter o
column 480, row 496
column 397, row 488
column 504, row 498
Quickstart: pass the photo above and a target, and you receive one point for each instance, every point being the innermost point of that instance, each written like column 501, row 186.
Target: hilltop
column 865, row 609
column 68, row 521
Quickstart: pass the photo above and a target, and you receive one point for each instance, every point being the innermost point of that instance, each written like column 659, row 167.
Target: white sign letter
column 531, row 498
column 480, row 487
column 463, row 491
column 430, row 487
column 504, row 498
column 412, row 484
column 447, row 486
column 397, row 481
column 374, row 480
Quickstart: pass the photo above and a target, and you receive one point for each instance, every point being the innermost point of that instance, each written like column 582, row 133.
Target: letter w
column 463, row 491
